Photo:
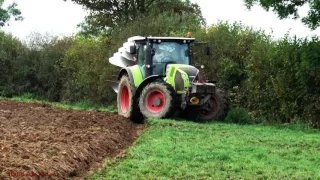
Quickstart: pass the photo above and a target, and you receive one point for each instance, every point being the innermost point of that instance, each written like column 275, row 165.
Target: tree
column 289, row 9
column 107, row 14
column 7, row 13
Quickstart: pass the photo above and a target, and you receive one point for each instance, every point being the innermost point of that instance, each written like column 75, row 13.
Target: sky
column 56, row 17
column 61, row 18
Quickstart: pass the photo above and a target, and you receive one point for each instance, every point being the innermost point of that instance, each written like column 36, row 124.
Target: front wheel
column 158, row 100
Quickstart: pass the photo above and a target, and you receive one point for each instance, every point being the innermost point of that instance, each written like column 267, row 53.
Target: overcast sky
column 61, row 18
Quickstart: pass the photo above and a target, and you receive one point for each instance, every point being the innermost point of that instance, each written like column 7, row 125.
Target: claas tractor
column 156, row 79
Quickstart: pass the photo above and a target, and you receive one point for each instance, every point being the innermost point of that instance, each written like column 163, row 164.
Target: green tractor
column 157, row 80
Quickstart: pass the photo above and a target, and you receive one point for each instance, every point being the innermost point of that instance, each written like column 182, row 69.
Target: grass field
column 185, row 150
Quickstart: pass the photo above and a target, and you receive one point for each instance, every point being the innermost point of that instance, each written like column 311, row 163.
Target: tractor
column 157, row 80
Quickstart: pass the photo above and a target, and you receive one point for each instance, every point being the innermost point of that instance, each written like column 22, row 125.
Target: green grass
column 84, row 105
column 186, row 150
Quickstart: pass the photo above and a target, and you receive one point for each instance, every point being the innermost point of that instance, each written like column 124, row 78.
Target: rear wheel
column 158, row 100
column 126, row 101
column 216, row 109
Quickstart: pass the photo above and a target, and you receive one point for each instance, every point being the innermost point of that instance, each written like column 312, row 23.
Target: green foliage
column 165, row 24
column 7, row 13
column 106, row 15
column 111, row 13
column 87, row 69
column 12, row 55
column 239, row 116
column 33, row 68
column 276, row 84
column 230, row 72
column 185, row 150
column 231, row 45
column 46, row 55
column 289, row 9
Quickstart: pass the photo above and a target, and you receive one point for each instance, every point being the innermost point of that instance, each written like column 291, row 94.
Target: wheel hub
column 157, row 102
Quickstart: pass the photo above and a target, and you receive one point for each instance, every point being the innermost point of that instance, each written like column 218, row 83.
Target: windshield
column 171, row 52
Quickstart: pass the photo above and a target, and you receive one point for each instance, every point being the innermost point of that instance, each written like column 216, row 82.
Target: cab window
column 141, row 58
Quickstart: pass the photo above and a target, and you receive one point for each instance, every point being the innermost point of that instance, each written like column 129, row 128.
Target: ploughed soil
column 38, row 141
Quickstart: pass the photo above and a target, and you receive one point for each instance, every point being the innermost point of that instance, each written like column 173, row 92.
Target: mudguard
column 134, row 74
column 144, row 83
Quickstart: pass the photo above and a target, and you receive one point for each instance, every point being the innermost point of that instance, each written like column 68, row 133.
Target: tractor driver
column 165, row 56
column 160, row 55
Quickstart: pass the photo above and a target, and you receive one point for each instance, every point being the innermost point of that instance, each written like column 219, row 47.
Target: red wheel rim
column 124, row 99
column 152, row 105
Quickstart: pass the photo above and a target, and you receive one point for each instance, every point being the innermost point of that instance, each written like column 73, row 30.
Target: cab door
column 141, row 58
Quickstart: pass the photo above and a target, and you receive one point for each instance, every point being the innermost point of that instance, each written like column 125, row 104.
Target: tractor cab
column 154, row 54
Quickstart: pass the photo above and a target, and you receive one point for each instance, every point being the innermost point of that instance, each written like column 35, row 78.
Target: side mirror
column 153, row 52
column 200, row 66
column 130, row 47
column 208, row 51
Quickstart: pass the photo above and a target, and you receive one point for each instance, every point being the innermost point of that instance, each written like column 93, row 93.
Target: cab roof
column 151, row 38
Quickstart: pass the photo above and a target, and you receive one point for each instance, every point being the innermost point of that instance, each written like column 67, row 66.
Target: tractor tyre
column 220, row 103
column 158, row 100
column 126, row 101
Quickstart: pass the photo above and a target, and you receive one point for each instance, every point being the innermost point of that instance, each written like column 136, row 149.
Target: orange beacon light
column 189, row 35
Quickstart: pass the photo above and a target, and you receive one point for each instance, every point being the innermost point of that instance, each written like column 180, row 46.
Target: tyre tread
column 169, row 111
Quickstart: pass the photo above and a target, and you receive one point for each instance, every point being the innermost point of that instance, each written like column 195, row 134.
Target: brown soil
column 38, row 141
